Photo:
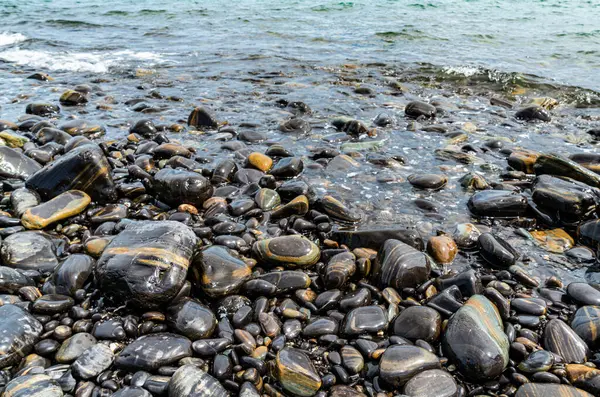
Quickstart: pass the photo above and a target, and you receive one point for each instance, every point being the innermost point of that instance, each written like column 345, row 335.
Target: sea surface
column 160, row 59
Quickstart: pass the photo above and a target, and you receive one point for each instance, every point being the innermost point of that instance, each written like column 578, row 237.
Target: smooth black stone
column 584, row 293
column 496, row 251
column 375, row 238
column 418, row 322
column 151, row 352
column 128, row 267
column 211, row 347
column 52, row 304
column 586, row 324
column 19, row 331
column 319, row 326
column 14, row 164
column 400, row 363
column 533, row 113
column 30, row 250
column 560, row 339
column 12, row 280
column 190, row 381
column 191, row 319
column 399, row 265
column 467, row 282
column 497, row 203
column 175, row 187
column 287, row 167
column 110, row 329
column 366, row 319
column 82, row 168
column 358, row 298
column 417, row 108
column 70, row 275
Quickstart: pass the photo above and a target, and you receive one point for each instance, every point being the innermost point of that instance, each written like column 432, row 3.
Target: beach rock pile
column 138, row 266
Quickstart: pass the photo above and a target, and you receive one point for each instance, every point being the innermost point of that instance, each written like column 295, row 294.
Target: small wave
column 467, row 71
column 72, row 23
column 11, row 38
column 76, row 62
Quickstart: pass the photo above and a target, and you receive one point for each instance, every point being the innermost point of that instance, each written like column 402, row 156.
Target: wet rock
column 442, row 249
column 466, row 235
column 132, row 391
column 563, row 199
column 375, row 238
column 150, row 352
column 52, row 304
column 319, row 326
column 63, row 206
column 296, row 372
column 84, row 168
column 548, row 389
column 474, row 181
column 533, row 113
column 428, row 181
column 400, row 266
column 352, row 359
column 220, row 272
column 417, row 108
column 144, row 127
column 418, row 322
column 475, row 340
column 589, row 233
column 559, row 338
column 73, row 347
column 192, row 319
column 22, row 199
column 586, row 324
column 147, row 263
column 202, row 118
column 537, row 361
column 400, row 363
column 267, row 199
column 73, row 98
column 42, row 109
column 19, row 331
column 366, row 319
column 191, row 381
column 553, row 164
column 38, row 385
column 293, row 251
column 338, row 210
column 498, row 203
column 433, row 382
column 93, row 361
column 584, row 293
column 287, row 167
column 14, row 164
column 12, row 280
column 298, row 206
column 175, row 187
column 29, row 251
column 260, row 161
column 496, row 251
column 339, row 269
column 295, row 125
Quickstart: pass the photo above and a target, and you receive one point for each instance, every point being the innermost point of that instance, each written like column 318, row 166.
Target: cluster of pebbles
column 139, row 267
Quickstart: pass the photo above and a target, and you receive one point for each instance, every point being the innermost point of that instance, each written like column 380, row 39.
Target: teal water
column 558, row 40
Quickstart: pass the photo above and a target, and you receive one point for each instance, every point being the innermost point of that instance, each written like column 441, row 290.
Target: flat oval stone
column 399, row 363
column 192, row 319
column 19, row 331
column 293, row 251
column 70, row 275
column 147, row 263
column 63, row 206
column 72, row 348
column 191, row 381
column 52, row 304
column 475, row 340
column 537, row 361
column 287, row 167
column 319, row 326
column 267, row 199
column 338, row 210
column 428, row 181
column 93, row 361
column 418, row 322
column 298, row 206
column 287, row 280
column 533, row 113
column 586, row 324
column 83, row 168
column 30, row 250
column 220, row 271
column 132, row 391
column 549, row 389
column 399, row 265
column 433, row 382
column 584, row 293
column 560, row 339
column 497, row 203
column 352, row 359
column 150, row 352
column 296, row 373
column 33, row 386
column 14, row 164
column 366, row 319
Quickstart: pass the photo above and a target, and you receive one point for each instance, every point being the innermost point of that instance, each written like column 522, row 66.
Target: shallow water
column 238, row 61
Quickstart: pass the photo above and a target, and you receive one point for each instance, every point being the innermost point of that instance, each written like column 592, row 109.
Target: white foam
column 77, row 62
column 11, row 38
column 466, row 71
